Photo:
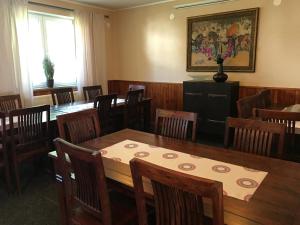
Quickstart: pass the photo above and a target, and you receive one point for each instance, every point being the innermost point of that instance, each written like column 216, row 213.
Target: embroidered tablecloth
column 238, row 182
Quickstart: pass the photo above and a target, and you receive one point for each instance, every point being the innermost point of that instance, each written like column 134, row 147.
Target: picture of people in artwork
column 230, row 38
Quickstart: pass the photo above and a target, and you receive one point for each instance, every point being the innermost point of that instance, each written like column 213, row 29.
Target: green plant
column 48, row 68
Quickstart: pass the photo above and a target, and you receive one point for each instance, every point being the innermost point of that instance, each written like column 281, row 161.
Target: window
column 54, row 36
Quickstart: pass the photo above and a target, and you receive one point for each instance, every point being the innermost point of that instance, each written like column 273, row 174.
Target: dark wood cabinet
column 213, row 102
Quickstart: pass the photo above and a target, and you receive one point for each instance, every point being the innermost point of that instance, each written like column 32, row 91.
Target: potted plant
column 49, row 71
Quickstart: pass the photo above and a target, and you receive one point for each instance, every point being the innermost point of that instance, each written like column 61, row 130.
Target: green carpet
column 37, row 205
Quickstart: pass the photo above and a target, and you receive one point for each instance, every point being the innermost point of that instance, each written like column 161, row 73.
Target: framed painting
column 231, row 35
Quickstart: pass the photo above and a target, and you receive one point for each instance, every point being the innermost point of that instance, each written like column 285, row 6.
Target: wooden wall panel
column 164, row 95
column 169, row 95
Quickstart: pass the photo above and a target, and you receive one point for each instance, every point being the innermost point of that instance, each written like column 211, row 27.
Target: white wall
column 148, row 46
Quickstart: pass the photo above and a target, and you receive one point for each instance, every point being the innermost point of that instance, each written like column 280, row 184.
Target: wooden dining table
column 275, row 202
column 82, row 105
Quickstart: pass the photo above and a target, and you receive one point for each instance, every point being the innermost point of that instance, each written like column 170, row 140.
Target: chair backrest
column 2, row 131
column 281, row 117
column 177, row 196
column 62, row 96
column 260, row 100
column 134, row 97
column 175, row 124
column 264, row 99
column 84, row 180
column 79, row 126
column 134, row 87
column 133, row 109
column 255, row 136
column 10, row 102
column 32, row 125
column 104, row 103
column 91, row 92
column 246, row 105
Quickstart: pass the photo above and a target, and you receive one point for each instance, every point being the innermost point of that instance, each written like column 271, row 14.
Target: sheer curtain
column 14, row 38
column 90, row 49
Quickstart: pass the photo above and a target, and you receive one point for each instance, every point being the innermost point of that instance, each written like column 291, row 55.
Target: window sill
column 46, row 91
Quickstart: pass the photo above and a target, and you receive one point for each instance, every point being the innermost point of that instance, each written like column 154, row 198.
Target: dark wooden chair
column 133, row 115
column 87, row 197
column 105, row 106
column 29, row 135
column 176, row 124
column 3, row 151
column 281, row 117
column 62, row 96
column 10, row 102
column 79, row 126
column 177, row 196
column 264, row 99
column 255, row 136
column 91, row 92
column 246, row 105
column 134, row 87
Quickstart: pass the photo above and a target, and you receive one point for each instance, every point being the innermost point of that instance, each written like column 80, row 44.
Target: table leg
column 147, row 115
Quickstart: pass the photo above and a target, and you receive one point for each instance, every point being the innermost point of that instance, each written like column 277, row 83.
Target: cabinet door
column 193, row 99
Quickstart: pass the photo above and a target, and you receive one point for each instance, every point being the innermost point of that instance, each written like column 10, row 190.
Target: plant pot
column 50, row 83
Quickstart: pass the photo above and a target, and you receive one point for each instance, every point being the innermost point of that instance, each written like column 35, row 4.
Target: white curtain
column 90, row 49
column 14, row 39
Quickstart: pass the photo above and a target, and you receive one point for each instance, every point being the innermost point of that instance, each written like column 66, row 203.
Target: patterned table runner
column 238, row 182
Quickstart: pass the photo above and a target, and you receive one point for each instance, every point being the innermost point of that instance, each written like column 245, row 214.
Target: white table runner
column 238, row 182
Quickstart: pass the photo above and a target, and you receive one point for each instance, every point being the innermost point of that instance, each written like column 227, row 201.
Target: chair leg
column 17, row 176
column 7, row 178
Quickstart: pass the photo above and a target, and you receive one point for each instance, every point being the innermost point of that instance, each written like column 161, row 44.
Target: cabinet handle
column 217, row 96
column 193, row 94
column 216, row 121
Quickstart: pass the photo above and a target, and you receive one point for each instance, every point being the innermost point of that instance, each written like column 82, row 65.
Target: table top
column 276, row 201
column 57, row 110
column 292, row 108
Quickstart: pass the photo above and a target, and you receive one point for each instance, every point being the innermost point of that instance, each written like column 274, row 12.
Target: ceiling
column 118, row 4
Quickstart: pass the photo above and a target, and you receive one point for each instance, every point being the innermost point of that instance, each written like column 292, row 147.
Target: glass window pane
column 61, row 49
column 55, row 37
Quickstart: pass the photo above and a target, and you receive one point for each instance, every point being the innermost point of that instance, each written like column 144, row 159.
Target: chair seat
column 123, row 212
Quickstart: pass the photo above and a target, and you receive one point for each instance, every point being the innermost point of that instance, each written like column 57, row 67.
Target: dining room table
column 57, row 110
column 275, row 200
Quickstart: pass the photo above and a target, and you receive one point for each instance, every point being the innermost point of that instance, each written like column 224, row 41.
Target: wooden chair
column 133, row 115
column 79, row 126
column 264, row 99
column 10, row 102
column 246, row 105
column 175, row 124
column 91, row 92
column 177, row 196
column 62, row 96
column 281, row 117
column 3, row 151
column 87, row 197
column 255, row 136
column 134, row 87
column 29, row 135
column 105, row 106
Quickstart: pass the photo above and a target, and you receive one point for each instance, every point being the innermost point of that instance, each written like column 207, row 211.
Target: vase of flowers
column 220, row 76
column 49, row 71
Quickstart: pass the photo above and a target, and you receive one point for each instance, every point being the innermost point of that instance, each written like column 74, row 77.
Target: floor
column 36, row 206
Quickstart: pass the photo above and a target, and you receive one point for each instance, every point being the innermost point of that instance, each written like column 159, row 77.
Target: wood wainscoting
column 170, row 95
